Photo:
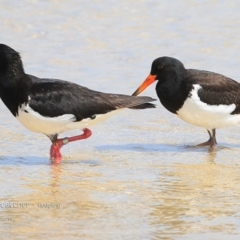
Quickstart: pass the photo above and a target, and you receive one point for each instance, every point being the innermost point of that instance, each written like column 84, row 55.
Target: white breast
column 35, row 122
column 196, row 112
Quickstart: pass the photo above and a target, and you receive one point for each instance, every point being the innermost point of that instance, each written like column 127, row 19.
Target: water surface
column 138, row 176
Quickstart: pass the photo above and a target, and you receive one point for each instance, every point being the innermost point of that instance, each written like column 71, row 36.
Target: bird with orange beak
column 205, row 99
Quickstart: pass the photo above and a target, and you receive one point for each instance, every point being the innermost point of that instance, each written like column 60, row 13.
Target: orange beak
column 149, row 80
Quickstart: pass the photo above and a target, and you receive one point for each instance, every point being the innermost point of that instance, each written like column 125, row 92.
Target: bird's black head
column 10, row 62
column 163, row 69
column 166, row 66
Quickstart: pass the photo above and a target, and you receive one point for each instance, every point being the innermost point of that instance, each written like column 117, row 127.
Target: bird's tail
column 144, row 106
column 134, row 102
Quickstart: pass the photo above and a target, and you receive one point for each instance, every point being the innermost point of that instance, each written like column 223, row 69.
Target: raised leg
column 55, row 154
column 212, row 142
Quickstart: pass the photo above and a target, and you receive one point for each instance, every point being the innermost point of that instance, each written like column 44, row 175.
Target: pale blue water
column 136, row 177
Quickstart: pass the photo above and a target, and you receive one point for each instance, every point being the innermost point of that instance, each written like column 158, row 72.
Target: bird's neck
column 13, row 91
column 11, row 70
column 171, row 92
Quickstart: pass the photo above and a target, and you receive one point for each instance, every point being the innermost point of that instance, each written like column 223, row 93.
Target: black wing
column 216, row 88
column 53, row 98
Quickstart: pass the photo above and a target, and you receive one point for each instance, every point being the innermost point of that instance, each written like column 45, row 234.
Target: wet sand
column 139, row 176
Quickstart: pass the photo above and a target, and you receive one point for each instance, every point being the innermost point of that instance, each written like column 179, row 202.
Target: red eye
column 160, row 66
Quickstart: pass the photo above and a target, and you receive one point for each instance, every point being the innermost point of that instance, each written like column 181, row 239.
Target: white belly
column 196, row 112
column 38, row 123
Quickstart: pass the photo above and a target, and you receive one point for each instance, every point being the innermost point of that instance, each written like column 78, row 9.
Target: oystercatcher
column 52, row 106
column 202, row 98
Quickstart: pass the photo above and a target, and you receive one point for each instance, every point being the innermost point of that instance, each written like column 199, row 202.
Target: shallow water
column 138, row 176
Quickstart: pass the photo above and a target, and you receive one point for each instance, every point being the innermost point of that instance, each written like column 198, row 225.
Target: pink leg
column 55, row 154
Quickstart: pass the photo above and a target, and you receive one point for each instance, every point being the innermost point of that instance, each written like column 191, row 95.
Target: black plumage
column 52, row 99
column 216, row 89
column 216, row 97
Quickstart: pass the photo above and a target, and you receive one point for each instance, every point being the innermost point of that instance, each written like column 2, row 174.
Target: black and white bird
column 205, row 99
column 52, row 106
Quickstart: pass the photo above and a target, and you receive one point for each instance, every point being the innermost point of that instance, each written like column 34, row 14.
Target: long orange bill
column 149, row 80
